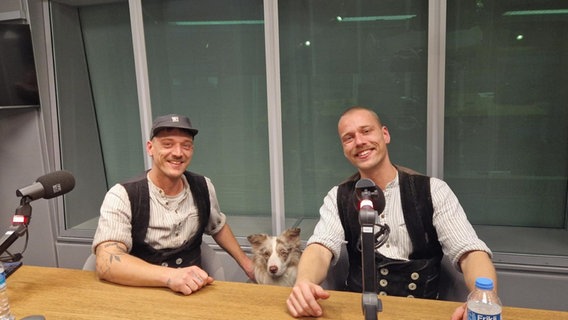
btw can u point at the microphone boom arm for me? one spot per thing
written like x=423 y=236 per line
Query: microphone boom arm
x=13 y=233
x=19 y=228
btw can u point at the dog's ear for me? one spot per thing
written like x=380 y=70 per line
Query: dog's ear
x=257 y=239
x=292 y=234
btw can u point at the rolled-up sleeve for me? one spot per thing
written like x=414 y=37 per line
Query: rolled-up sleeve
x=455 y=232
x=217 y=219
x=329 y=231
x=115 y=218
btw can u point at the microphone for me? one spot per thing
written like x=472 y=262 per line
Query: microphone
x=369 y=195
x=49 y=186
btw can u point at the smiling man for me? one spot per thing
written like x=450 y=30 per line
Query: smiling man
x=424 y=216
x=150 y=228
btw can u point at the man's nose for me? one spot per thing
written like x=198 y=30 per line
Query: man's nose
x=177 y=149
x=358 y=139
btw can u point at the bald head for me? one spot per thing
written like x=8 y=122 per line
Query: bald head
x=359 y=108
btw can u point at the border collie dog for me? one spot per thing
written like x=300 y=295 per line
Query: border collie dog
x=276 y=258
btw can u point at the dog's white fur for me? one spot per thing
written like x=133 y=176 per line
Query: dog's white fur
x=276 y=258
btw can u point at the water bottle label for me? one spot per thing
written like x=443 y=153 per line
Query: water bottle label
x=471 y=315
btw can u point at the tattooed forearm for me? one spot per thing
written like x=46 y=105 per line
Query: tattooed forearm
x=114 y=251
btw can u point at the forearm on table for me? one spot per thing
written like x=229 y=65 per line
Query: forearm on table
x=116 y=265
x=314 y=264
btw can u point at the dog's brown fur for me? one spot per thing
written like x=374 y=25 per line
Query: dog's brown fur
x=276 y=258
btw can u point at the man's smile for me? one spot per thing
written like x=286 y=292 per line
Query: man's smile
x=363 y=154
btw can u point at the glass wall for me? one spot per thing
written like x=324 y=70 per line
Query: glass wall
x=506 y=115
x=336 y=54
x=97 y=104
x=209 y=64
x=505 y=131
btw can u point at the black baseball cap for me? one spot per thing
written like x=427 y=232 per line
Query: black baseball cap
x=172 y=121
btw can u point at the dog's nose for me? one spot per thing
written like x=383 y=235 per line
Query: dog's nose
x=273 y=269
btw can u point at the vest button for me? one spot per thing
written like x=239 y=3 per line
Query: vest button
x=410 y=296
x=414 y=276
x=164 y=264
x=382 y=293
x=383 y=283
x=412 y=286
x=384 y=271
x=179 y=261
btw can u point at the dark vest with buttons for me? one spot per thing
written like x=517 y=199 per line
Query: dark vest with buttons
x=418 y=277
x=186 y=255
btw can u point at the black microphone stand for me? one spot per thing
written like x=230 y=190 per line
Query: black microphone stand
x=372 y=305
x=19 y=226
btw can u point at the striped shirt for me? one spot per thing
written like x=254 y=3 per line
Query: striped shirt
x=173 y=219
x=455 y=233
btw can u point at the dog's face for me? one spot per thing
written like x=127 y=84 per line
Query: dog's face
x=274 y=256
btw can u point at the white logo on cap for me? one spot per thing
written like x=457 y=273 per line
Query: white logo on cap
x=175 y=119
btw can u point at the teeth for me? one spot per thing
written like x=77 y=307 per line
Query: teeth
x=364 y=153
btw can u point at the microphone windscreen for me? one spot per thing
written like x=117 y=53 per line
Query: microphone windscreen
x=376 y=195
x=57 y=183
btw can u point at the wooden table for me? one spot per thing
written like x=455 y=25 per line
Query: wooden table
x=60 y=294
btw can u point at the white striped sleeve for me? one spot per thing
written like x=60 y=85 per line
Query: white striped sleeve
x=455 y=232
x=114 y=221
x=329 y=231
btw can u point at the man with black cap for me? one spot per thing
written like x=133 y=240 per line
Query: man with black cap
x=150 y=228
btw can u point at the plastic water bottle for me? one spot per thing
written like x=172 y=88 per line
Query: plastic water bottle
x=5 y=313
x=483 y=303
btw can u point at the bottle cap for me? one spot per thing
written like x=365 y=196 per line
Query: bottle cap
x=484 y=283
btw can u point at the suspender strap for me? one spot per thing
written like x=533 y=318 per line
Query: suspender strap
x=418 y=212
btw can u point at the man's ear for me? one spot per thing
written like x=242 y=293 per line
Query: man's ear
x=386 y=134
x=149 y=147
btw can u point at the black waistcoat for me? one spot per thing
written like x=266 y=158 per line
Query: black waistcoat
x=418 y=277
x=186 y=255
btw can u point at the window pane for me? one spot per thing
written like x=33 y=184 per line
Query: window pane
x=206 y=60
x=335 y=54
x=97 y=103
x=506 y=117
x=110 y=60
